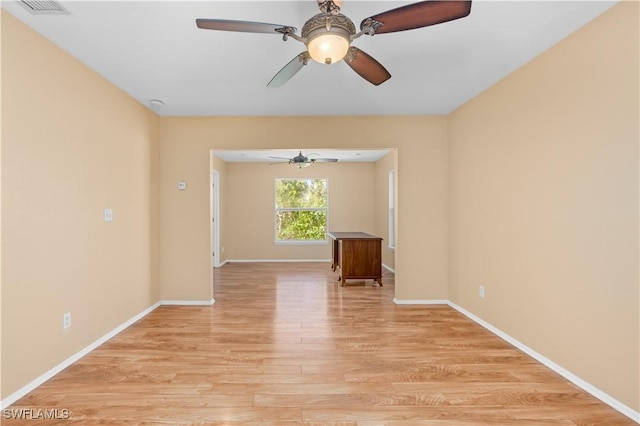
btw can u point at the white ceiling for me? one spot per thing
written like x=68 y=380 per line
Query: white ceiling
x=264 y=156
x=153 y=50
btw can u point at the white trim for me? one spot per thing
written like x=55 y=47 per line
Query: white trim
x=187 y=302
x=73 y=358
x=275 y=260
x=221 y=265
x=215 y=220
x=419 y=302
x=388 y=268
x=301 y=242
x=602 y=396
x=392 y=210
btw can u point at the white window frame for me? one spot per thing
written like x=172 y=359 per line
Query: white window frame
x=392 y=210
x=278 y=242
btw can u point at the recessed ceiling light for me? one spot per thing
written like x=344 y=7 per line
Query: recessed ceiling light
x=156 y=103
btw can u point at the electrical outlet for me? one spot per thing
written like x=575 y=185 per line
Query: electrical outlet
x=66 y=321
x=222 y=249
x=481 y=292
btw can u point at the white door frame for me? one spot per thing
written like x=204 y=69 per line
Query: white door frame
x=215 y=219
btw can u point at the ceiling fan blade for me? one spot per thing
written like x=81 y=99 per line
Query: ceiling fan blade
x=417 y=15
x=289 y=70
x=280 y=158
x=368 y=68
x=324 y=160
x=242 y=26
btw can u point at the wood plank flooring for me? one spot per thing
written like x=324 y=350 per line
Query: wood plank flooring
x=286 y=345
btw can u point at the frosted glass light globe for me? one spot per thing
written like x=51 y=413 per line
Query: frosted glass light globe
x=328 y=48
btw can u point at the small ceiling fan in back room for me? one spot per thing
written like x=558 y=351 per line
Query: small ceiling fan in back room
x=302 y=161
x=329 y=34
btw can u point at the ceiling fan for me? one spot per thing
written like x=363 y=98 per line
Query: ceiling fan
x=328 y=35
x=302 y=161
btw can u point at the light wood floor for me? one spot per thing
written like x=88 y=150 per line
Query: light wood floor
x=284 y=344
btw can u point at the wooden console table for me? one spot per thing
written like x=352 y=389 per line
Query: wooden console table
x=356 y=255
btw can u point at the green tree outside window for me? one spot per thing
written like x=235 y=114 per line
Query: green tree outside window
x=301 y=209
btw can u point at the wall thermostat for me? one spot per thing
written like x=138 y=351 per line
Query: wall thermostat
x=182 y=186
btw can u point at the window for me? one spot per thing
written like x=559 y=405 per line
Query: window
x=301 y=210
x=392 y=213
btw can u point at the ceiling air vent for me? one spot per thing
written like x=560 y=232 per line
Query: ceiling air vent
x=44 y=7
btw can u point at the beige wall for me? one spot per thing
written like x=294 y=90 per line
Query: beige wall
x=72 y=144
x=1 y=19
x=382 y=169
x=544 y=204
x=250 y=223
x=421 y=265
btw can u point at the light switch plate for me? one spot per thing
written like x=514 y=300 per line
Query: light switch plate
x=108 y=215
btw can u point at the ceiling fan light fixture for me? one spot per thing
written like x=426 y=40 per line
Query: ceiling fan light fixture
x=328 y=48
x=328 y=37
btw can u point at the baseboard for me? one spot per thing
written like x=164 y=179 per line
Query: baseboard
x=187 y=302
x=388 y=268
x=602 y=396
x=73 y=358
x=275 y=260
x=419 y=302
